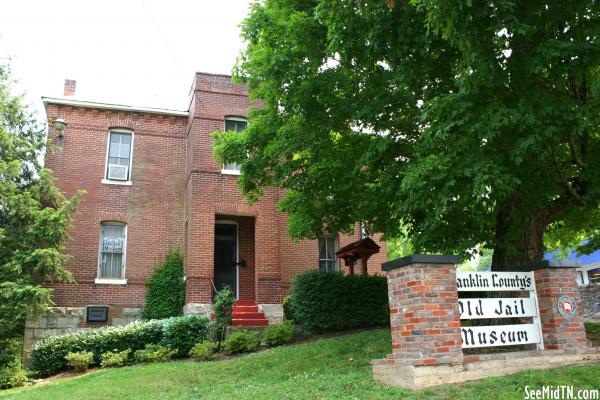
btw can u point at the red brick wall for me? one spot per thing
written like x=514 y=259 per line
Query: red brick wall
x=152 y=206
x=176 y=184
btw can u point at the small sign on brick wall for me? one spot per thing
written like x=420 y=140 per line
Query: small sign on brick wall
x=96 y=314
x=496 y=308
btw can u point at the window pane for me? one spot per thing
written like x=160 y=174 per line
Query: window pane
x=322 y=248
x=331 y=248
x=232 y=125
x=231 y=167
x=126 y=139
x=124 y=150
x=114 y=149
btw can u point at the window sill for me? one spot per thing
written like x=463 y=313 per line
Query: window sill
x=230 y=172
x=107 y=281
x=111 y=182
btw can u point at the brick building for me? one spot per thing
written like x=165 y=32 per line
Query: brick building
x=152 y=186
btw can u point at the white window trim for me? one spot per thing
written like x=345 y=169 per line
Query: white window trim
x=225 y=171
x=112 y=281
x=237 y=253
x=107 y=181
x=107 y=281
x=336 y=245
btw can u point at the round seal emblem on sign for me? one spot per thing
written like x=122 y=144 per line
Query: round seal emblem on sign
x=567 y=306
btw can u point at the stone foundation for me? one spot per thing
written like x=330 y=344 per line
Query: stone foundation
x=477 y=367
x=273 y=312
x=63 y=320
x=198 y=309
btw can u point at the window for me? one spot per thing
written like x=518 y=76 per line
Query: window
x=113 y=245
x=118 y=158
x=327 y=249
x=237 y=125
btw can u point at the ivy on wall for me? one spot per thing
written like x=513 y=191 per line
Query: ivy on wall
x=165 y=290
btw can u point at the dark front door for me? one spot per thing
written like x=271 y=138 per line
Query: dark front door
x=226 y=256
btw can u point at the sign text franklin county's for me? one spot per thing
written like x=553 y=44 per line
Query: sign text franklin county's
x=499 y=307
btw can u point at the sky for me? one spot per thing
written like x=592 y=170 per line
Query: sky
x=135 y=52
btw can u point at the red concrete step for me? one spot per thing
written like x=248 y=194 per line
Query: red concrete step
x=237 y=309
x=248 y=315
x=250 y=322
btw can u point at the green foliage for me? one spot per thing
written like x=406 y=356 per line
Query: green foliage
x=12 y=375
x=288 y=311
x=153 y=353
x=34 y=217
x=465 y=124
x=223 y=308
x=278 y=334
x=329 y=368
x=205 y=350
x=242 y=341
x=80 y=360
x=48 y=355
x=331 y=301
x=165 y=290
x=112 y=359
x=181 y=333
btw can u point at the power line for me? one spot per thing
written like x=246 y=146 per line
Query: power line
x=167 y=45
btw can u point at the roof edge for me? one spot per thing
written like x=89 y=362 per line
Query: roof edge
x=109 y=106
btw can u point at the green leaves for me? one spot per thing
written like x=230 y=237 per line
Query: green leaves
x=34 y=217
x=429 y=116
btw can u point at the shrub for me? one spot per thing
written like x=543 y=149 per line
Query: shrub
x=114 y=358
x=12 y=375
x=223 y=307
x=153 y=353
x=242 y=342
x=288 y=311
x=205 y=350
x=80 y=360
x=276 y=335
x=165 y=290
x=180 y=334
x=331 y=301
x=48 y=355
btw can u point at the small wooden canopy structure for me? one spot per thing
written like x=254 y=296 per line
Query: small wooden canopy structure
x=360 y=250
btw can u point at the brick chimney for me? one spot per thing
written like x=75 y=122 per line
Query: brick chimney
x=70 y=87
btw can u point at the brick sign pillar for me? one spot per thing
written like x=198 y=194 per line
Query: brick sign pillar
x=424 y=317
x=560 y=306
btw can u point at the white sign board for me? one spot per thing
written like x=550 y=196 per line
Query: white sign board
x=494 y=281
x=499 y=307
x=499 y=335
x=506 y=307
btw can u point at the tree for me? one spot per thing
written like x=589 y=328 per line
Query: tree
x=34 y=218
x=469 y=122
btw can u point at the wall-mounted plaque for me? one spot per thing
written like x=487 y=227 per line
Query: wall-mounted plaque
x=96 y=314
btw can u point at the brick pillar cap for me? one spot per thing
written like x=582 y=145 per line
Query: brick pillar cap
x=419 y=259
x=549 y=264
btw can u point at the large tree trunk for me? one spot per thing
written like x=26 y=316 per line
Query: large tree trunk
x=519 y=239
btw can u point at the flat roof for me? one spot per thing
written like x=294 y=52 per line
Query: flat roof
x=109 y=106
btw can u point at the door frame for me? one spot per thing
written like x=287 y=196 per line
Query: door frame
x=237 y=252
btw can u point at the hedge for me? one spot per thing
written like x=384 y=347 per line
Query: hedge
x=48 y=355
x=325 y=301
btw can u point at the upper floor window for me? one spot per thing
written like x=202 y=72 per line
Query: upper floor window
x=118 y=158
x=113 y=246
x=327 y=247
x=237 y=125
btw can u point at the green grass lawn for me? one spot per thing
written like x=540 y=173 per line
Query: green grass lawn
x=332 y=368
